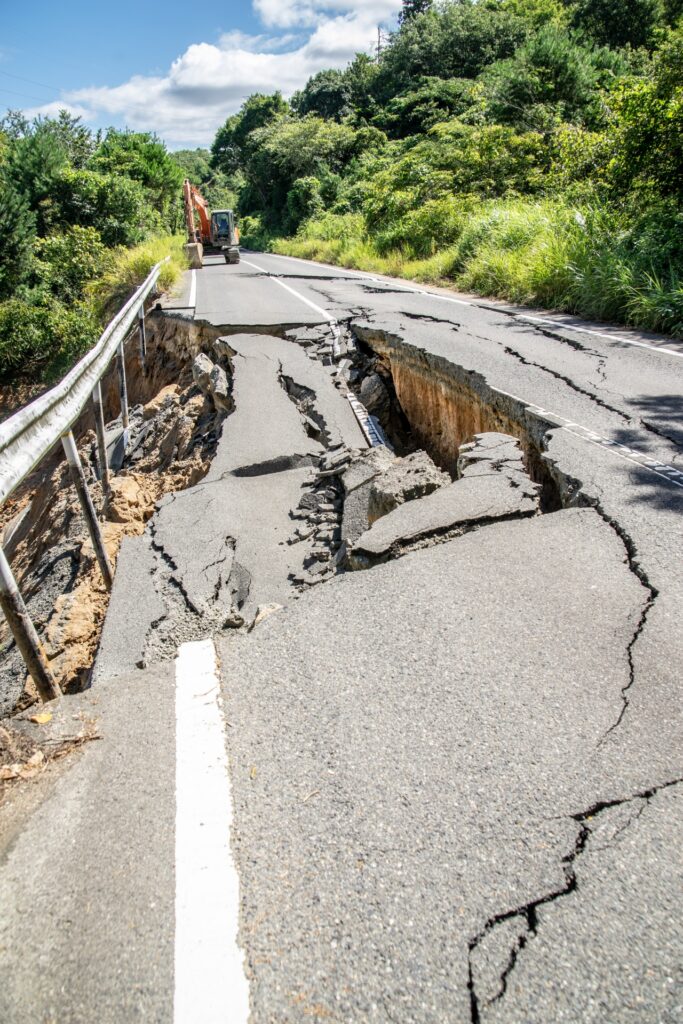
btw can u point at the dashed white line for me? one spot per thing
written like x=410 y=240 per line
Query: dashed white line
x=210 y=984
x=668 y=473
x=622 y=451
x=192 y=302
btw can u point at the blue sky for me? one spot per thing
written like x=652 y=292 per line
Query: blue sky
x=173 y=68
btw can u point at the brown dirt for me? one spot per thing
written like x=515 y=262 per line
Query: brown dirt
x=42 y=520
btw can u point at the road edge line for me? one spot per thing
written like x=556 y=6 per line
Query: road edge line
x=210 y=984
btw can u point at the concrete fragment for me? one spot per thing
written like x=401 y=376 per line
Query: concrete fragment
x=404 y=480
x=262 y=612
x=455 y=508
x=365 y=465
x=487 y=451
x=218 y=389
x=374 y=395
x=201 y=371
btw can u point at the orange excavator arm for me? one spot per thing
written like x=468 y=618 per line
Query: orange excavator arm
x=194 y=200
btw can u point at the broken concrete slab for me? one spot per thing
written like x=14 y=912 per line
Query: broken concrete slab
x=446 y=754
x=488 y=451
x=366 y=465
x=265 y=425
x=224 y=544
x=456 y=508
x=405 y=479
x=134 y=606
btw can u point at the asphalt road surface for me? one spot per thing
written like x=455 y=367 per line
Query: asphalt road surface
x=444 y=788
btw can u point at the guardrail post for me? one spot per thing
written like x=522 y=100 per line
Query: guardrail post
x=78 y=477
x=24 y=633
x=124 y=393
x=143 y=338
x=101 y=440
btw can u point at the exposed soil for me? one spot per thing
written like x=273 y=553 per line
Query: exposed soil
x=173 y=434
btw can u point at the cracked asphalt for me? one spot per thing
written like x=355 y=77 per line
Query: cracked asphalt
x=456 y=775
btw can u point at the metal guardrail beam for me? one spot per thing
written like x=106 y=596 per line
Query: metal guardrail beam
x=28 y=435
x=31 y=433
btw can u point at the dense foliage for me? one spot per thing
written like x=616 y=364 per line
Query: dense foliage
x=70 y=200
x=531 y=149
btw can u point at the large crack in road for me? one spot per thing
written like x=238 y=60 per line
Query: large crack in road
x=444 y=664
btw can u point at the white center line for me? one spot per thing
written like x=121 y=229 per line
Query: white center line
x=318 y=309
x=210 y=984
x=193 y=289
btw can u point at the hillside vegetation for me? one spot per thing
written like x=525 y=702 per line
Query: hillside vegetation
x=83 y=218
x=528 y=149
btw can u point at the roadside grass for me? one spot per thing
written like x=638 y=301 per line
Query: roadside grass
x=130 y=267
x=595 y=262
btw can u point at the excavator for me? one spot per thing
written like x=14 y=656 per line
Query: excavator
x=217 y=232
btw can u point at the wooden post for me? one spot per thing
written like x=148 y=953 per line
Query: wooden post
x=124 y=394
x=143 y=338
x=101 y=441
x=24 y=633
x=78 y=477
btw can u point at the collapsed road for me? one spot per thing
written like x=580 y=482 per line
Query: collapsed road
x=404 y=623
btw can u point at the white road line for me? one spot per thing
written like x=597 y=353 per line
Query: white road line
x=622 y=451
x=638 y=458
x=616 y=339
x=193 y=289
x=318 y=309
x=210 y=984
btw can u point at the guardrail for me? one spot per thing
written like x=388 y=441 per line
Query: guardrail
x=28 y=436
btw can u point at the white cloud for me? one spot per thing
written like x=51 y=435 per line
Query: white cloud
x=53 y=108
x=210 y=81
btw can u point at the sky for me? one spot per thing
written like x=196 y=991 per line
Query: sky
x=177 y=69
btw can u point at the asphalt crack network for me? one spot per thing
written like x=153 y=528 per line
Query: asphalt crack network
x=636 y=568
x=528 y=913
x=569 y=382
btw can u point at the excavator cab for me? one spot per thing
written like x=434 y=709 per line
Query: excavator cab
x=224 y=235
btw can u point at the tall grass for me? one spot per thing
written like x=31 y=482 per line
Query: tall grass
x=595 y=262
x=130 y=267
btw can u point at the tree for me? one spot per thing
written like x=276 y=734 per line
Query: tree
x=15 y=125
x=71 y=135
x=141 y=157
x=411 y=8
x=287 y=149
x=327 y=94
x=67 y=262
x=231 y=142
x=456 y=40
x=618 y=23
x=115 y=205
x=434 y=100
x=17 y=236
x=33 y=166
x=360 y=76
x=647 y=138
x=551 y=78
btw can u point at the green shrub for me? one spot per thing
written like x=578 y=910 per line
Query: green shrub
x=42 y=341
x=116 y=206
x=66 y=262
x=304 y=200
